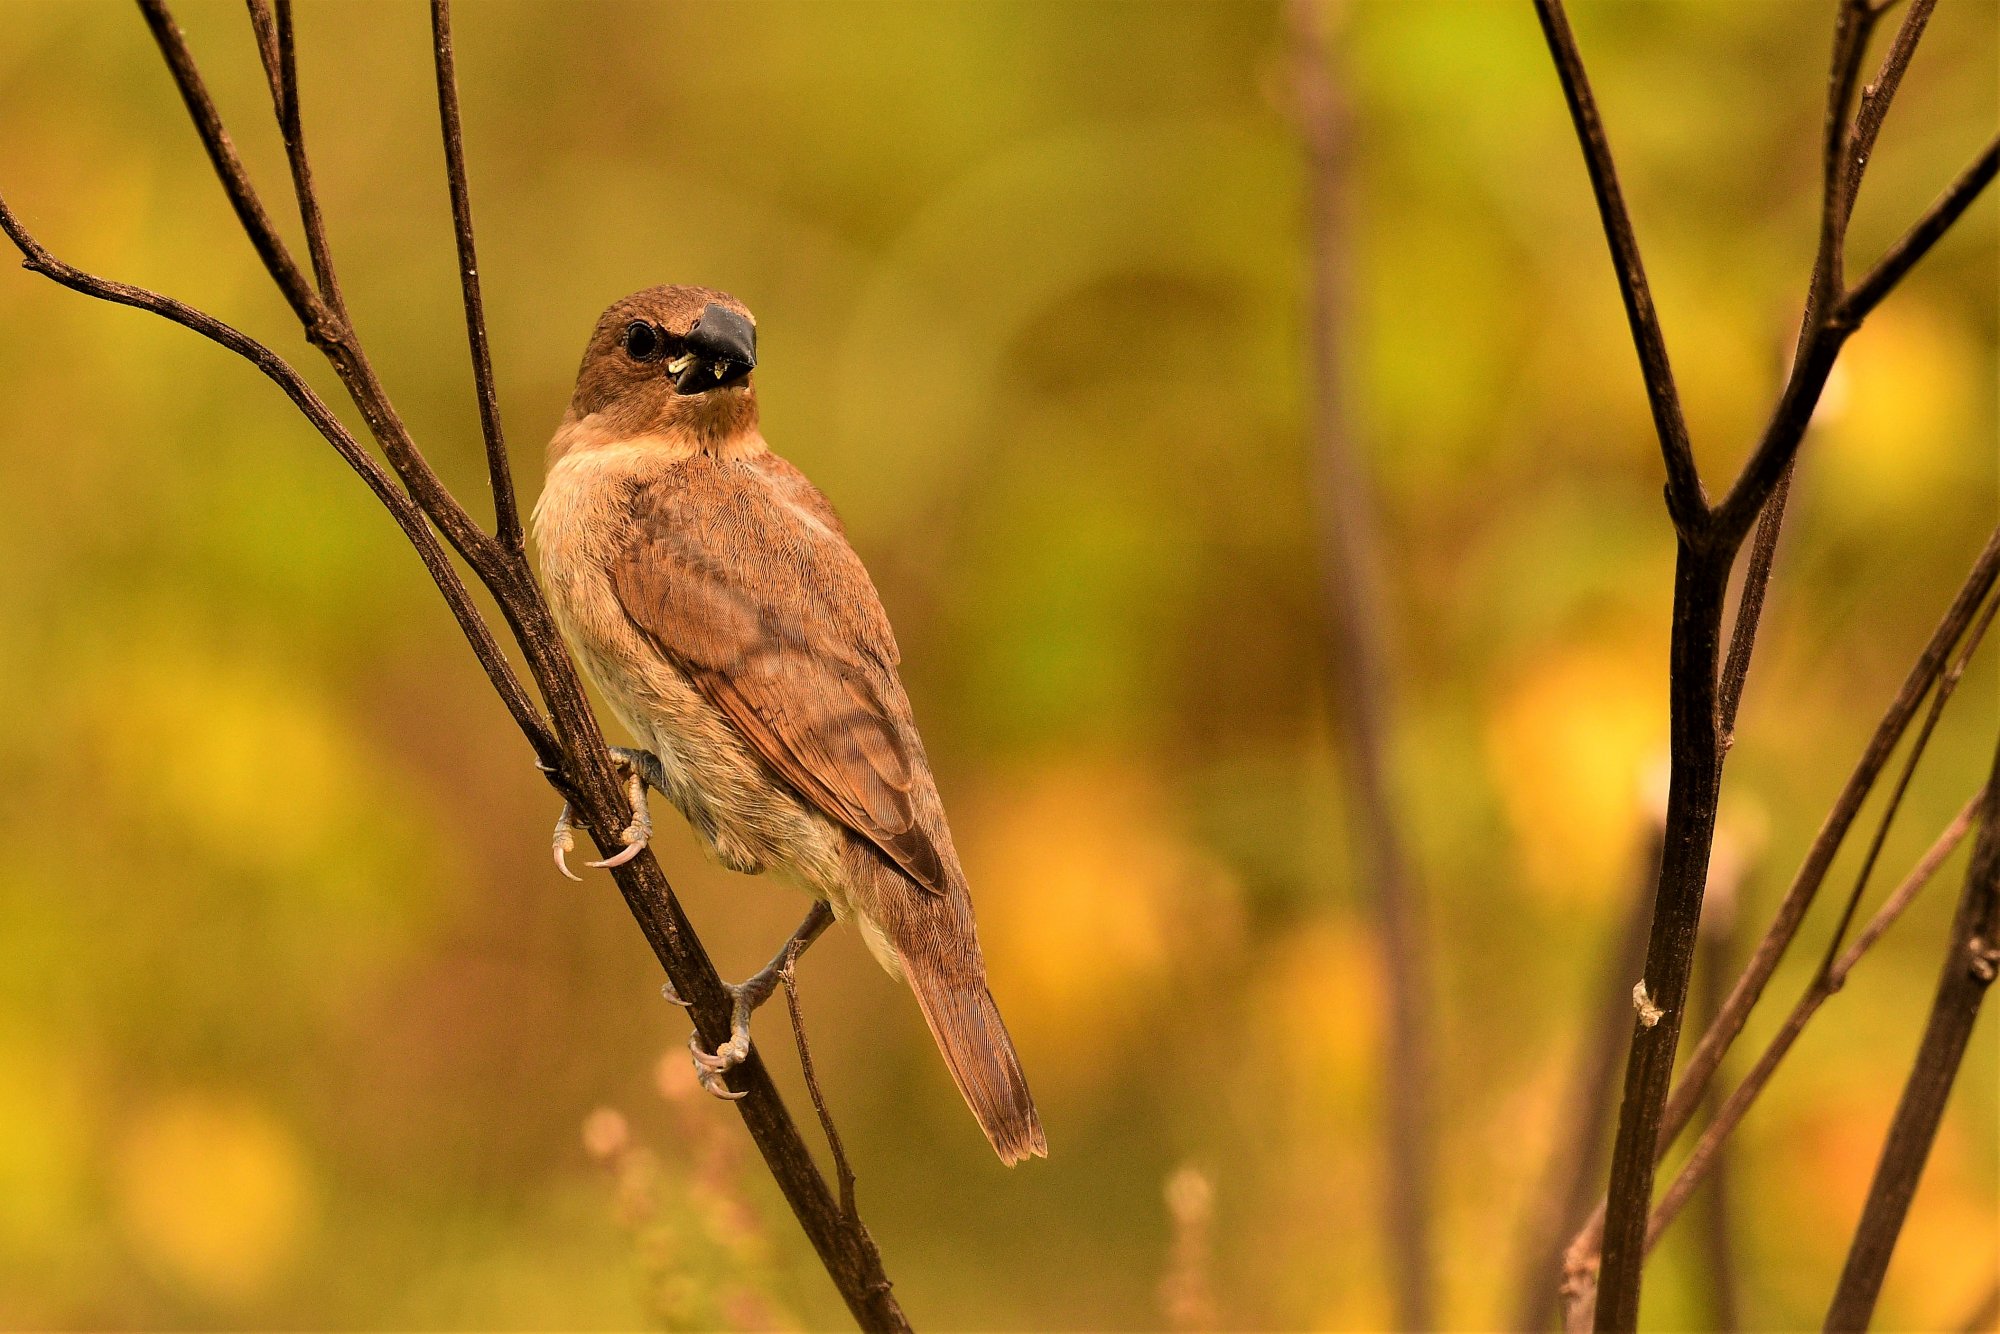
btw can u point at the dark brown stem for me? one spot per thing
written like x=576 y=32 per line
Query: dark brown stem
x=1699 y=583
x=569 y=746
x=507 y=514
x=1875 y=98
x=1931 y=664
x=1359 y=678
x=1972 y=956
x=1574 y=1176
x=274 y=47
x=1686 y=502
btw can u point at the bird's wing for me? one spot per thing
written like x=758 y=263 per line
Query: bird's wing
x=740 y=574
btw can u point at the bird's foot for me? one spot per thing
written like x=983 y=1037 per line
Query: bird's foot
x=710 y=1067
x=641 y=769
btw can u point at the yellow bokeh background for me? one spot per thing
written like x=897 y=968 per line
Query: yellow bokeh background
x=300 y=1029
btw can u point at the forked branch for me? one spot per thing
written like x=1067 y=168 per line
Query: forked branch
x=567 y=743
x=1709 y=541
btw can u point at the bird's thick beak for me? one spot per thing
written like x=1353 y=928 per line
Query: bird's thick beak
x=721 y=350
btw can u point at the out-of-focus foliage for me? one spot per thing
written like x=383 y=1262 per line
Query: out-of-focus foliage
x=299 y=1028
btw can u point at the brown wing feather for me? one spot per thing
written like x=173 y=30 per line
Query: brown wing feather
x=750 y=590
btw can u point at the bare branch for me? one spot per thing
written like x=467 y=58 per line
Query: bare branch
x=1972 y=957
x=1686 y=502
x=1707 y=1153
x=843 y=1171
x=324 y=325
x=1770 y=950
x=1358 y=674
x=407 y=516
x=569 y=746
x=274 y=47
x=1581 y=1262
x=1875 y=98
x=1922 y=235
x=507 y=514
x=1750 y=608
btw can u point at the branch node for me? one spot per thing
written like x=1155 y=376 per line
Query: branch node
x=1985 y=958
x=1649 y=1013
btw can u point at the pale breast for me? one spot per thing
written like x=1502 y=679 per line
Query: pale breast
x=748 y=818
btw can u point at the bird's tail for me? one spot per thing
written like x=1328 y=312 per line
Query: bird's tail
x=967 y=1026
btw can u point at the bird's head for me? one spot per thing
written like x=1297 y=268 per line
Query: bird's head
x=670 y=361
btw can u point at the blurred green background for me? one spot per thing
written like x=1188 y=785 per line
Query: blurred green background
x=299 y=1028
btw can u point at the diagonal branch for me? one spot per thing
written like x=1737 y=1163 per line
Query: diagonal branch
x=1686 y=503
x=569 y=746
x=274 y=48
x=1581 y=1258
x=1922 y=235
x=1881 y=90
x=1706 y=1154
x=37 y=259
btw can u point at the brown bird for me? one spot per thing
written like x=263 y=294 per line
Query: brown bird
x=708 y=589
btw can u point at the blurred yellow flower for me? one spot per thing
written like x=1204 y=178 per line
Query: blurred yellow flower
x=1571 y=745
x=1319 y=1006
x=1084 y=890
x=215 y=1195
x=45 y=1129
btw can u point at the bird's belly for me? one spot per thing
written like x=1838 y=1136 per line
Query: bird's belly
x=746 y=816
x=750 y=820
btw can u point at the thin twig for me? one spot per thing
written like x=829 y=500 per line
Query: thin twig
x=274 y=47
x=575 y=761
x=1359 y=677
x=1707 y=1152
x=1972 y=957
x=1881 y=90
x=507 y=514
x=1750 y=608
x=1915 y=243
x=843 y=1171
x=37 y=259
x=1686 y=502
x=1581 y=1257
x=324 y=325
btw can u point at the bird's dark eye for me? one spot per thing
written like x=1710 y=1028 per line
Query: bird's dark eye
x=642 y=341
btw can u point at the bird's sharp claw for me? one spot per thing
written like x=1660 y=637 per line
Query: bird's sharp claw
x=709 y=1070
x=631 y=850
x=563 y=866
x=673 y=997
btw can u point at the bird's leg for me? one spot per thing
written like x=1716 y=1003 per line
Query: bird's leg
x=710 y=1067
x=642 y=770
